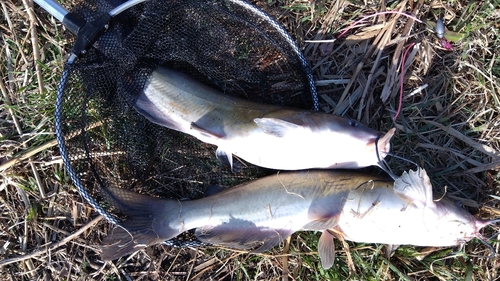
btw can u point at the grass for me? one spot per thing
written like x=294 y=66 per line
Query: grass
x=451 y=128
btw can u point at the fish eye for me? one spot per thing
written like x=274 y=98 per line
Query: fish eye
x=352 y=123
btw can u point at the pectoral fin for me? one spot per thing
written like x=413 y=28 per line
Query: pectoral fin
x=326 y=249
x=228 y=159
x=204 y=132
x=390 y=249
x=384 y=143
x=416 y=186
x=276 y=127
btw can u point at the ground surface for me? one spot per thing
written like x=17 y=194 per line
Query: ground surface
x=450 y=127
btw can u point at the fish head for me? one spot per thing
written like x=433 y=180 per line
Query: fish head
x=453 y=225
x=330 y=135
x=370 y=147
x=382 y=145
x=377 y=145
x=439 y=222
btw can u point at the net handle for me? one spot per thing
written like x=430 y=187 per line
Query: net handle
x=87 y=32
x=71 y=21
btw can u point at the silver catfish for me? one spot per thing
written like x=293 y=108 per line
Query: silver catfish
x=259 y=214
x=265 y=135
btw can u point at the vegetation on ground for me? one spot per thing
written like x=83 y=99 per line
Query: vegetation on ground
x=449 y=123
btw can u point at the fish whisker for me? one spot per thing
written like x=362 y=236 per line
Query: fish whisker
x=385 y=167
x=490 y=222
x=402 y=158
x=489 y=247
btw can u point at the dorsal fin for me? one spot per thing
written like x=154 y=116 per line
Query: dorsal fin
x=275 y=126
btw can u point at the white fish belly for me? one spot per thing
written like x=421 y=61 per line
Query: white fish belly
x=300 y=149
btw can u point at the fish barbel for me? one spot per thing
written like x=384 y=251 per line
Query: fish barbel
x=265 y=135
x=260 y=214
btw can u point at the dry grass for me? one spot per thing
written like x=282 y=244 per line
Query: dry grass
x=451 y=128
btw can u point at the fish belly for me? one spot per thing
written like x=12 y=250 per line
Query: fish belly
x=380 y=216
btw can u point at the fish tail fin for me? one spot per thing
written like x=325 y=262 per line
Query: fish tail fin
x=150 y=221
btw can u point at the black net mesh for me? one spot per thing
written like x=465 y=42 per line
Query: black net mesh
x=222 y=43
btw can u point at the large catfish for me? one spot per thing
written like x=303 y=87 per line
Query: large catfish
x=259 y=214
x=265 y=135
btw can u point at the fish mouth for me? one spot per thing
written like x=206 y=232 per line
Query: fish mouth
x=383 y=142
x=381 y=145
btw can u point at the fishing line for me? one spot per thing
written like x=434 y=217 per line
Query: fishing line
x=401 y=82
x=70 y=148
x=386 y=167
x=382 y=163
x=402 y=158
x=403 y=59
x=388 y=170
x=490 y=223
x=494 y=254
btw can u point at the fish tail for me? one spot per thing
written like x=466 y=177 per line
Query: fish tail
x=147 y=223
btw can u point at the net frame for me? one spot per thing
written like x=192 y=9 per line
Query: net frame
x=72 y=67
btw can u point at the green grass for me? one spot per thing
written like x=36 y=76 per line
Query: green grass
x=464 y=85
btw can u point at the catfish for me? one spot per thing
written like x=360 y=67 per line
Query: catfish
x=259 y=214
x=268 y=136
